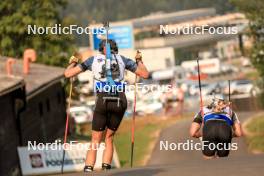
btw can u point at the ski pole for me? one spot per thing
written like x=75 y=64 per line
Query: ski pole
x=134 y=119
x=133 y=124
x=67 y=124
x=229 y=92
x=200 y=88
x=229 y=96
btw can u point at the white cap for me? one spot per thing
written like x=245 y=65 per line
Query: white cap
x=218 y=97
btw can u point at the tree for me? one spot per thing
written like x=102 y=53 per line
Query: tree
x=254 y=10
x=16 y=15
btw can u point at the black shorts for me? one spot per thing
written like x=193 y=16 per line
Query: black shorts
x=217 y=132
x=108 y=113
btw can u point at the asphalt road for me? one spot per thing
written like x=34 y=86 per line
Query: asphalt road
x=179 y=133
x=183 y=163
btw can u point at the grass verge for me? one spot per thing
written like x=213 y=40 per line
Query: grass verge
x=146 y=134
x=255 y=134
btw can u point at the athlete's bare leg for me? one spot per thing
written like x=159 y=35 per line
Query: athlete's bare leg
x=108 y=152
x=91 y=154
x=195 y=130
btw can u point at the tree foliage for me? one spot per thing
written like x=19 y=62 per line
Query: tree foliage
x=254 y=11
x=16 y=15
x=113 y=10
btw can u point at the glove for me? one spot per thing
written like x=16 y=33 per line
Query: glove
x=74 y=60
x=138 y=57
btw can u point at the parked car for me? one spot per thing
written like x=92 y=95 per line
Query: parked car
x=242 y=87
x=207 y=89
x=81 y=114
x=194 y=89
x=227 y=69
x=150 y=106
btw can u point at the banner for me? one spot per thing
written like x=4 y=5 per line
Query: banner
x=123 y=35
x=48 y=160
